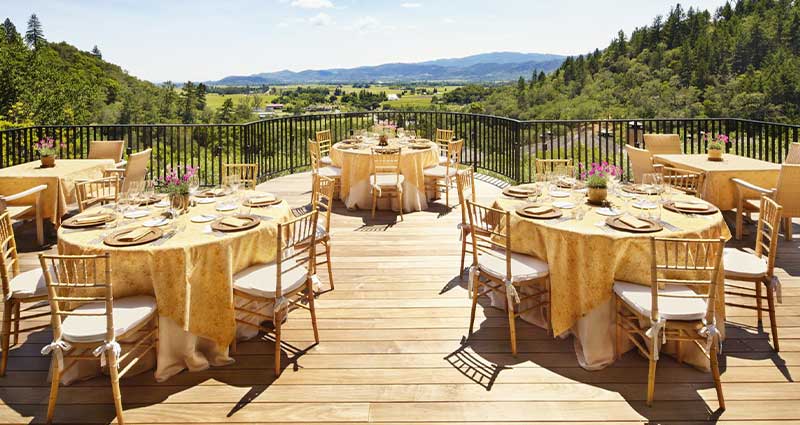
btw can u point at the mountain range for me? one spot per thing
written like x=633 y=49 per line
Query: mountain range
x=486 y=67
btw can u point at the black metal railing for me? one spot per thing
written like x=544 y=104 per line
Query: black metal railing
x=502 y=146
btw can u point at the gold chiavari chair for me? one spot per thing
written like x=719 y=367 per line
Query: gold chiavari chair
x=325 y=142
x=286 y=282
x=322 y=202
x=442 y=140
x=543 y=166
x=107 y=149
x=465 y=182
x=98 y=191
x=247 y=174
x=88 y=322
x=495 y=268
x=317 y=167
x=385 y=177
x=443 y=176
x=18 y=289
x=679 y=304
x=687 y=181
x=786 y=193
x=663 y=144
x=758 y=267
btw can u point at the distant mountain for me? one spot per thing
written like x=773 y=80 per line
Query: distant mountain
x=487 y=67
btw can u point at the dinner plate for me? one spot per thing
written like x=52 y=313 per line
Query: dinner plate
x=609 y=212
x=559 y=194
x=226 y=207
x=161 y=204
x=205 y=200
x=203 y=218
x=645 y=205
x=564 y=205
x=156 y=222
x=136 y=214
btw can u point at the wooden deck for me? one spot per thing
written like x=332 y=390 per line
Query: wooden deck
x=391 y=352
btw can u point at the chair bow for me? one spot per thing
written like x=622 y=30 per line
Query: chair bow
x=511 y=290
x=112 y=346
x=775 y=283
x=315 y=282
x=57 y=347
x=281 y=303
x=709 y=332
x=473 y=274
x=658 y=332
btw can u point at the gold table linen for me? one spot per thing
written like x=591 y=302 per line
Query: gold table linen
x=718 y=187
x=355 y=165
x=60 y=181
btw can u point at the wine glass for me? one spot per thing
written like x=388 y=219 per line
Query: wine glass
x=194 y=185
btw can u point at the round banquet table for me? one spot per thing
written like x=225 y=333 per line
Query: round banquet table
x=355 y=165
x=585 y=260
x=190 y=275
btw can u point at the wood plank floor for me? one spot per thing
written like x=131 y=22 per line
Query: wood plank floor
x=391 y=352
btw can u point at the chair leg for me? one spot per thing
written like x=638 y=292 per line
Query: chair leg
x=512 y=325
x=17 y=307
x=113 y=370
x=619 y=330
x=56 y=380
x=463 y=251
x=475 y=290
x=313 y=310
x=8 y=306
x=277 y=318
x=374 y=202
x=330 y=266
x=739 y=219
x=651 y=374
x=400 y=204
x=759 y=304
x=787 y=228
x=772 y=321
x=715 y=374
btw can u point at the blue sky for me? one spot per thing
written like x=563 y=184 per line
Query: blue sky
x=205 y=39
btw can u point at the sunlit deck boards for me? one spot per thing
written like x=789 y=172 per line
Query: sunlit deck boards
x=390 y=352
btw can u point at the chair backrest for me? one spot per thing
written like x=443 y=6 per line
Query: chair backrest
x=663 y=144
x=454 y=148
x=91 y=192
x=247 y=174
x=297 y=239
x=136 y=170
x=107 y=149
x=793 y=156
x=322 y=198
x=491 y=233
x=465 y=182
x=78 y=279
x=641 y=162
x=788 y=190
x=693 y=263
x=314 y=155
x=769 y=220
x=687 y=181
x=442 y=139
x=325 y=141
x=543 y=166
x=9 y=261
x=385 y=161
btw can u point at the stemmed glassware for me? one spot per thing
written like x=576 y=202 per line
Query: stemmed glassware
x=194 y=186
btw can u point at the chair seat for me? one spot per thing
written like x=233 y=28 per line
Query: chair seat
x=321 y=233
x=743 y=264
x=129 y=313
x=326 y=160
x=17 y=211
x=260 y=280
x=443 y=160
x=639 y=297
x=523 y=267
x=386 y=180
x=752 y=204
x=330 y=171
x=439 y=171
x=29 y=284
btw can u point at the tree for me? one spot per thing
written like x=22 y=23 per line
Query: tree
x=188 y=103
x=200 y=95
x=225 y=113
x=96 y=52
x=521 y=86
x=34 y=36
x=10 y=33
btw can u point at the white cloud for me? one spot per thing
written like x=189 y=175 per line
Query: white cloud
x=320 y=20
x=448 y=21
x=312 y=4
x=366 y=24
x=411 y=5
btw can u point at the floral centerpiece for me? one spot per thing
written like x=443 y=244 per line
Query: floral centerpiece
x=716 y=145
x=596 y=177
x=176 y=185
x=47 y=149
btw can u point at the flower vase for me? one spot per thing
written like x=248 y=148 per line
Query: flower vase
x=179 y=202
x=715 y=154
x=48 y=161
x=383 y=140
x=597 y=195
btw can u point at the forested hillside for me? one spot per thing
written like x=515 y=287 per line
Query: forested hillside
x=742 y=60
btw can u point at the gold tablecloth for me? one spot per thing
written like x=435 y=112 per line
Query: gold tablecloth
x=585 y=260
x=355 y=165
x=60 y=181
x=190 y=274
x=718 y=188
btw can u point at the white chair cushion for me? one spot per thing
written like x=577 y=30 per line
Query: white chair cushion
x=439 y=171
x=29 y=284
x=326 y=160
x=523 y=267
x=321 y=232
x=129 y=312
x=670 y=308
x=260 y=280
x=330 y=171
x=743 y=264
x=383 y=180
x=443 y=159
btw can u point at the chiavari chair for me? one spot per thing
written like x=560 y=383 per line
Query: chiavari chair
x=322 y=202
x=246 y=173
x=465 y=183
x=443 y=176
x=442 y=139
x=686 y=181
x=97 y=191
x=325 y=143
x=385 y=178
x=663 y=144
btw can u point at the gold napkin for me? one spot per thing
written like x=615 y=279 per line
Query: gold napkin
x=234 y=222
x=262 y=199
x=94 y=218
x=695 y=206
x=544 y=209
x=521 y=190
x=634 y=222
x=134 y=235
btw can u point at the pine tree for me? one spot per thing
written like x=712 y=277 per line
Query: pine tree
x=200 y=96
x=225 y=114
x=10 y=33
x=96 y=52
x=189 y=102
x=34 y=36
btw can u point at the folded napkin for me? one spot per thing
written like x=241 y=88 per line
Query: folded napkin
x=519 y=189
x=134 y=235
x=94 y=218
x=544 y=209
x=263 y=199
x=234 y=222
x=695 y=206
x=634 y=222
